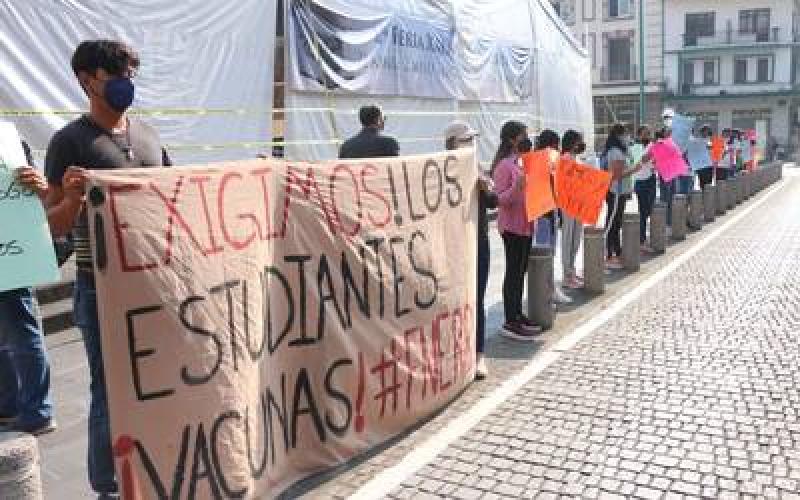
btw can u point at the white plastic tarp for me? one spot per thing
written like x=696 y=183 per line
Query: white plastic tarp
x=497 y=72
x=205 y=81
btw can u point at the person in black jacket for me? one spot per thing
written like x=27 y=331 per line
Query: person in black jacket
x=460 y=135
x=370 y=142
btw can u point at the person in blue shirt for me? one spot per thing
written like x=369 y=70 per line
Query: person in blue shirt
x=25 y=404
x=698 y=152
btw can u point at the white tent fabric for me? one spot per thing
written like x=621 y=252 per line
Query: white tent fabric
x=205 y=82
x=511 y=60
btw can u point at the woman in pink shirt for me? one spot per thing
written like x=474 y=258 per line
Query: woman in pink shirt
x=512 y=221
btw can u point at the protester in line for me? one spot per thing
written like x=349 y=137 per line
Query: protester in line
x=728 y=163
x=512 y=222
x=739 y=145
x=461 y=135
x=572 y=146
x=646 y=183
x=546 y=227
x=618 y=158
x=105 y=138
x=370 y=141
x=747 y=148
x=699 y=155
x=666 y=190
x=25 y=402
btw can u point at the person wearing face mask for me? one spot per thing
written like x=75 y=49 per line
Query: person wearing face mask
x=370 y=141
x=646 y=184
x=458 y=135
x=105 y=138
x=619 y=165
x=512 y=222
x=572 y=146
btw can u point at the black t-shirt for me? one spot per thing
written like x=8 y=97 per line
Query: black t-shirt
x=82 y=143
x=369 y=143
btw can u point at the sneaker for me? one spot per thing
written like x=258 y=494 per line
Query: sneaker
x=45 y=427
x=573 y=283
x=647 y=249
x=614 y=263
x=516 y=331
x=559 y=297
x=529 y=325
x=481 y=370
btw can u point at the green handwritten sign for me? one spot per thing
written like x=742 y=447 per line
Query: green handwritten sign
x=27 y=257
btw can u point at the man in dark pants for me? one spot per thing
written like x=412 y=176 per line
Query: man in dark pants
x=370 y=142
x=106 y=138
x=25 y=404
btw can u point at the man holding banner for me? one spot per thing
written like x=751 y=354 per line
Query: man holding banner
x=106 y=138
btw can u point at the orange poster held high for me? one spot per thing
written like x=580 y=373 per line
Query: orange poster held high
x=539 y=197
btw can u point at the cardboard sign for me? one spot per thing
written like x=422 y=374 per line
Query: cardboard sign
x=581 y=190
x=539 y=197
x=264 y=320
x=668 y=160
x=682 y=130
x=717 y=148
x=27 y=257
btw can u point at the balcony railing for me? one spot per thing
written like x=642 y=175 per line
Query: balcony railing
x=733 y=38
x=727 y=89
x=615 y=74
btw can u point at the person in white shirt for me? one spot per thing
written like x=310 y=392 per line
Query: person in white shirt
x=646 y=183
x=698 y=152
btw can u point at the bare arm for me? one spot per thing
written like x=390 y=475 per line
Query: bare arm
x=64 y=203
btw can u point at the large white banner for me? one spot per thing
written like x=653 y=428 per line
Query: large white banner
x=382 y=50
x=205 y=81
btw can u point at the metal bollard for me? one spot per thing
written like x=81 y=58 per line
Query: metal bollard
x=540 y=287
x=746 y=183
x=631 y=243
x=722 y=205
x=594 y=252
x=658 y=228
x=19 y=467
x=679 y=217
x=696 y=212
x=709 y=203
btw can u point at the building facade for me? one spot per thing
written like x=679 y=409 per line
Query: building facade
x=735 y=64
x=609 y=29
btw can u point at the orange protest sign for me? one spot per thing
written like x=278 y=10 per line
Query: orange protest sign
x=717 y=148
x=581 y=190
x=539 y=198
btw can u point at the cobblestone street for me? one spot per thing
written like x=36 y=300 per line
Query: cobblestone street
x=690 y=391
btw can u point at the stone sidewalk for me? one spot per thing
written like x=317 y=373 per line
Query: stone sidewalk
x=691 y=391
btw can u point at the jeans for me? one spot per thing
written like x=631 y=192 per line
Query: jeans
x=24 y=367
x=705 y=176
x=646 y=196
x=517 y=249
x=100 y=460
x=571 y=233
x=616 y=209
x=666 y=192
x=483 y=280
x=685 y=183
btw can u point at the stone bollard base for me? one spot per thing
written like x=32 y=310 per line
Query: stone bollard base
x=594 y=263
x=658 y=228
x=540 y=287
x=19 y=467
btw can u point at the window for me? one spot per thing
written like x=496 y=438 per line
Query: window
x=688 y=73
x=588 y=10
x=619 y=8
x=763 y=70
x=701 y=24
x=709 y=73
x=740 y=71
x=619 y=59
x=755 y=21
